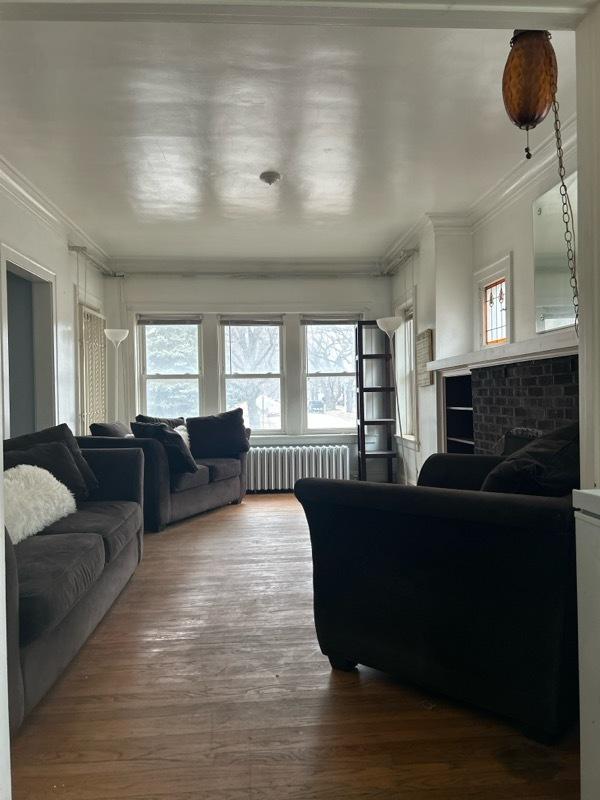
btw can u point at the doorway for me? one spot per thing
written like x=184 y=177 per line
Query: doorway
x=29 y=401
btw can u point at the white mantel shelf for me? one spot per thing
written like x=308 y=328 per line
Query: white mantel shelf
x=544 y=345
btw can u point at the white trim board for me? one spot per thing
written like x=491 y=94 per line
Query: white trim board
x=387 y=13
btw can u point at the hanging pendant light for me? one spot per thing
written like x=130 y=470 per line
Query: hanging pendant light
x=530 y=80
x=529 y=89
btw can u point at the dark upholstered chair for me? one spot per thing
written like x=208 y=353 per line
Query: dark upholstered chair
x=468 y=593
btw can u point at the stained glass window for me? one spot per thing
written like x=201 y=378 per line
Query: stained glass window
x=494 y=312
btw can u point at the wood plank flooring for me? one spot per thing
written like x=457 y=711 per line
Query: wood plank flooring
x=205 y=682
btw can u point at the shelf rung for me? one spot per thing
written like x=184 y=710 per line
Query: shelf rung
x=376 y=389
x=379 y=422
x=379 y=454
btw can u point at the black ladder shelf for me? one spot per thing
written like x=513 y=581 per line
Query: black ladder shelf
x=375 y=400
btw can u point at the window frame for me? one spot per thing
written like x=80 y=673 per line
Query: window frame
x=144 y=377
x=305 y=375
x=483 y=279
x=408 y=307
x=278 y=322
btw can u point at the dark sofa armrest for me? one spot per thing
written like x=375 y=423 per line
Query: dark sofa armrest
x=454 y=471
x=120 y=474
x=16 y=701
x=157 y=478
x=412 y=506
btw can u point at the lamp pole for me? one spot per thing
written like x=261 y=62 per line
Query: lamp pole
x=116 y=336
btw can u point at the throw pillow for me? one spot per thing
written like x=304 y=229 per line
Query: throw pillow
x=55 y=458
x=59 y=433
x=178 y=453
x=183 y=432
x=110 y=429
x=33 y=499
x=547 y=466
x=218 y=436
x=171 y=422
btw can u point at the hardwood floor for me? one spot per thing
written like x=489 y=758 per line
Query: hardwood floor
x=205 y=682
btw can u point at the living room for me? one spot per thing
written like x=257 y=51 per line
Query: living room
x=207 y=208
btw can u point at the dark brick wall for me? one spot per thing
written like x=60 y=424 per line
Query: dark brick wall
x=540 y=394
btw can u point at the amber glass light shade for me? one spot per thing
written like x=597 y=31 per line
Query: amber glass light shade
x=530 y=78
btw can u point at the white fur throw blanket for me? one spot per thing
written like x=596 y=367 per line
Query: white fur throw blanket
x=33 y=499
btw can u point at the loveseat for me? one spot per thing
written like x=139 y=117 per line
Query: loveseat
x=170 y=496
x=469 y=593
x=61 y=582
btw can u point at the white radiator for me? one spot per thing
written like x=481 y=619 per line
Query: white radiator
x=272 y=469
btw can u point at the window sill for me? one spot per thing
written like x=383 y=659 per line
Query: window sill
x=408 y=439
x=274 y=439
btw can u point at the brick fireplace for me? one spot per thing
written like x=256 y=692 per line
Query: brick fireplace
x=541 y=394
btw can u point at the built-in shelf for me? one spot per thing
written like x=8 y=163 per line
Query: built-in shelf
x=458 y=401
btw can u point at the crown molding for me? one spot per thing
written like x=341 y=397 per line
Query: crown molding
x=451 y=223
x=15 y=186
x=382 y=13
x=153 y=266
x=517 y=182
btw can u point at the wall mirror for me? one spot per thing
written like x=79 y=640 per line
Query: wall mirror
x=553 y=294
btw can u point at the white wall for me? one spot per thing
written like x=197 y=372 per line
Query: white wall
x=25 y=232
x=511 y=229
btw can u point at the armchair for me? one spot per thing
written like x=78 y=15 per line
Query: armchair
x=471 y=594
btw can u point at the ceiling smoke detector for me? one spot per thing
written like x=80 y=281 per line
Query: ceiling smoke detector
x=270 y=176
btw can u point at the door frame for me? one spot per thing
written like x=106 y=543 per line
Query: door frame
x=43 y=281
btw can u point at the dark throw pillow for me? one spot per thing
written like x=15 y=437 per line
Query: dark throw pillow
x=219 y=436
x=59 y=433
x=178 y=453
x=118 y=429
x=547 y=466
x=56 y=458
x=172 y=423
x=515 y=439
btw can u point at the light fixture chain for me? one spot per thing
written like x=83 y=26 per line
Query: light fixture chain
x=567 y=212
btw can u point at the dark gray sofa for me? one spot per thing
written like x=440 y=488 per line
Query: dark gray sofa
x=61 y=582
x=469 y=593
x=170 y=497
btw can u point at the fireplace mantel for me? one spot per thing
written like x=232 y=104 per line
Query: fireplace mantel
x=545 y=345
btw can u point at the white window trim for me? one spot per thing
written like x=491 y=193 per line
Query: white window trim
x=305 y=374
x=410 y=301
x=143 y=377
x=502 y=268
x=281 y=375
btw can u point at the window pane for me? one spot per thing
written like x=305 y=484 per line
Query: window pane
x=260 y=398
x=495 y=312
x=330 y=348
x=252 y=349
x=172 y=398
x=331 y=402
x=171 y=349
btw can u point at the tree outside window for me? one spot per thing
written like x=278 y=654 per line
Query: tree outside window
x=330 y=376
x=171 y=376
x=252 y=372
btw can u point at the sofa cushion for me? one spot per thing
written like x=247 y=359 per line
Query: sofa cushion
x=55 y=572
x=221 y=468
x=118 y=429
x=178 y=453
x=172 y=422
x=59 y=433
x=55 y=458
x=182 y=481
x=548 y=466
x=218 y=436
x=116 y=521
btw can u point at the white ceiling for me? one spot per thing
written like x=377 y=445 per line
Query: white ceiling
x=151 y=136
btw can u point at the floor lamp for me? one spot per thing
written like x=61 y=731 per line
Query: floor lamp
x=389 y=325
x=116 y=336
